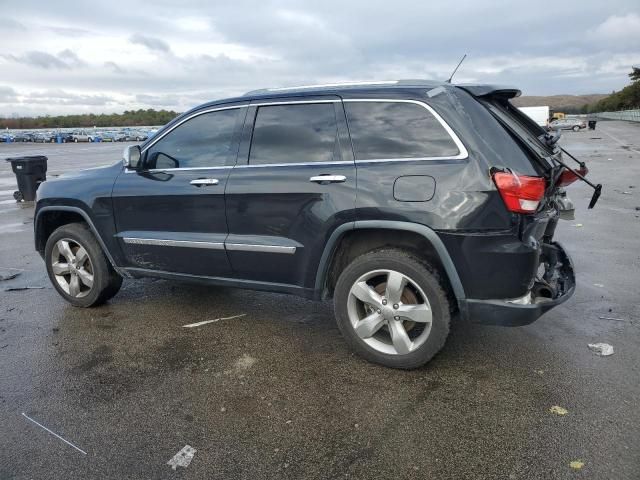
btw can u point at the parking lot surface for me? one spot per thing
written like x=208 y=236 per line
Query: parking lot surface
x=274 y=392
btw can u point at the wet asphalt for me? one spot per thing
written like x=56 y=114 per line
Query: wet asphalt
x=276 y=393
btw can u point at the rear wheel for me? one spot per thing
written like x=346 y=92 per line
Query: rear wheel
x=392 y=309
x=77 y=267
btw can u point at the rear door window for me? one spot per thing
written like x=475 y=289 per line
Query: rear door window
x=294 y=133
x=396 y=130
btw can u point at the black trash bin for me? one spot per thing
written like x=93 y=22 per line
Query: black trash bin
x=592 y=124
x=30 y=173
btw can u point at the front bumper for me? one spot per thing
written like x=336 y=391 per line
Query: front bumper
x=559 y=270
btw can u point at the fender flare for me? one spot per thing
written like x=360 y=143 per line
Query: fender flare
x=426 y=232
x=85 y=216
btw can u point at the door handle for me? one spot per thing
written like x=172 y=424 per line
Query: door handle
x=200 y=182
x=328 y=179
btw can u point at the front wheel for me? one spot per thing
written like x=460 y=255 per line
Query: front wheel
x=392 y=309
x=576 y=128
x=77 y=267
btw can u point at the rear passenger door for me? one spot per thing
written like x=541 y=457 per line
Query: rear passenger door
x=294 y=183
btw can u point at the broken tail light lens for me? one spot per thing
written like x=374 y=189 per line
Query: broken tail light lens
x=520 y=193
x=567 y=177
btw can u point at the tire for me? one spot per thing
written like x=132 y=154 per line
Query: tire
x=70 y=262
x=423 y=287
x=75 y=140
x=576 y=128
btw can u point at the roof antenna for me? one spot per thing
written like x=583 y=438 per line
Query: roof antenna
x=456 y=69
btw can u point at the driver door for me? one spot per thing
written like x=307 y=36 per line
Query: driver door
x=170 y=214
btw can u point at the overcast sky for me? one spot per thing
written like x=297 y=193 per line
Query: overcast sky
x=109 y=56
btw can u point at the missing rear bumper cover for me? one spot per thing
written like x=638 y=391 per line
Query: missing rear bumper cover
x=555 y=287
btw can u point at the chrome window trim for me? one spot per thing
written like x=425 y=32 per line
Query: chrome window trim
x=193 y=115
x=462 y=150
x=298 y=164
x=173 y=243
x=185 y=169
x=247 y=247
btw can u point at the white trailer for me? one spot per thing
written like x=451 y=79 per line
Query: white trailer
x=540 y=115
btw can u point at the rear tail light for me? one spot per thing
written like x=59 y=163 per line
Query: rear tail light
x=567 y=177
x=520 y=193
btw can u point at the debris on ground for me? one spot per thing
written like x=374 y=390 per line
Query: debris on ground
x=598 y=285
x=183 y=457
x=558 y=410
x=577 y=225
x=576 y=464
x=17 y=289
x=199 y=324
x=612 y=318
x=539 y=372
x=602 y=349
x=8 y=276
x=53 y=433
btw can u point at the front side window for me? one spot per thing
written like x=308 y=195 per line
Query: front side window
x=396 y=130
x=295 y=133
x=203 y=141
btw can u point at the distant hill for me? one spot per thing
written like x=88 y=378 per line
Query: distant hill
x=560 y=103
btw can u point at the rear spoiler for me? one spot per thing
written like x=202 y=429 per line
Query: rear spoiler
x=484 y=90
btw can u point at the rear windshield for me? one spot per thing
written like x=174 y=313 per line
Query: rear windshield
x=521 y=126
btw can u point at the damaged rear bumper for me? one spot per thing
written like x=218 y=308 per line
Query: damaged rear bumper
x=558 y=286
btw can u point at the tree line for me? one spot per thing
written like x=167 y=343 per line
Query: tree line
x=129 y=118
x=626 y=99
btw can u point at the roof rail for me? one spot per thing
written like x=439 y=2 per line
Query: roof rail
x=322 y=85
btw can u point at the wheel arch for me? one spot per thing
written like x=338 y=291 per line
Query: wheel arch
x=51 y=217
x=433 y=248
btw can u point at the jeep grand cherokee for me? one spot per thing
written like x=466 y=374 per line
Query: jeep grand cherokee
x=403 y=201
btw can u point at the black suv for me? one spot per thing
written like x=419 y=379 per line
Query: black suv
x=405 y=201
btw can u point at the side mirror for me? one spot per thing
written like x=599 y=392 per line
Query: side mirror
x=132 y=157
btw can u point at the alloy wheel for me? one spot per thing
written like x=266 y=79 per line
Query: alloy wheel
x=72 y=268
x=389 y=312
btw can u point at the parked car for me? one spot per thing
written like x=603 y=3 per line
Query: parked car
x=6 y=137
x=23 y=137
x=567 y=124
x=119 y=136
x=454 y=209
x=135 y=136
x=108 y=136
x=81 y=136
x=44 y=137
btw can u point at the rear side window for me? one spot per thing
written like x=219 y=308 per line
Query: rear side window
x=203 y=141
x=299 y=133
x=393 y=130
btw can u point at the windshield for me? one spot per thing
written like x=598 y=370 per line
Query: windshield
x=522 y=127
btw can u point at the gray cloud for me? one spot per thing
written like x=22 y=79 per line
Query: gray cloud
x=7 y=23
x=65 y=60
x=38 y=59
x=154 y=44
x=114 y=67
x=71 y=59
x=61 y=97
x=7 y=95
